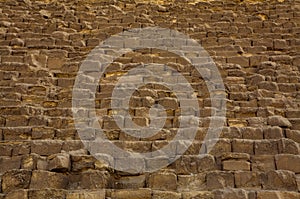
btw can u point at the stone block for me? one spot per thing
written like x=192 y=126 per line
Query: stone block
x=243 y=146
x=243 y=61
x=9 y=163
x=247 y=179
x=59 y=162
x=253 y=80
x=47 y=193
x=222 y=146
x=15 y=179
x=130 y=182
x=191 y=182
x=198 y=194
x=129 y=194
x=48 y=180
x=16 y=121
x=266 y=147
x=55 y=63
x=17 y=194
x=273 y=132
x=93 y=180
x=236 y=165
x=230 y=194
x=288 y=162
x=219 y=180
x=277 y=195
x=280 y=44
x=252 y=133
x=293 y=135
x=48 y=147
x=288 y=146
x=270 y=86
x=165 y=195
x=163 y=181
x=86 y=195
x=278 y=120
x=280 y=180
x=263 y=163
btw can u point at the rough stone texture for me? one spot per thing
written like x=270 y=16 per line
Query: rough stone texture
x=276 y=195
x=254 y=44
x=280 y=180
x=236 y=165
x=128 y=194
x=279 y=121
x=15 y=179
x=87 y=195
x=45 y=179
x=288 y=162
x=19 y=193
x=59 y=162
x=163 y=181
x=219 y=180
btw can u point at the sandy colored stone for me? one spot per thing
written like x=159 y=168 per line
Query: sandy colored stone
x=54 y=180
x=247 y=179
x=15 y=179
x=219 y=180
x=86 y=195
x=277 y=120
x=280 y=180
x=166 y=195
x=59 y=162
x=236 y=165
x=129 y=194
x=17 y=194
x=277 y=195
x=163 y=181
x=288 y=162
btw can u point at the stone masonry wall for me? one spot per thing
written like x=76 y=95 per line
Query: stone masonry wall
x=256 y=47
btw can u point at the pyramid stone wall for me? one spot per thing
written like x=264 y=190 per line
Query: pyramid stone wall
x=254 y=44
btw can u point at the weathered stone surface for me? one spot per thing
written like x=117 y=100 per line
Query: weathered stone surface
x=54 y=180
x=165 y=195
x=86 y=195
x=197 y=194
x=163 y=181
x=236 y=165
x=17 y=194
x=191 y=182
x=59 y=162
x=293 y=135
x=15 y=179
x=130 y=182
x=46 y=147
x=288 y=146
x=288 y=162
x=8 y=163
x=277 y=120
x=277 y=195
x=219 y=180
x=273 y=133
x=47 y=193
x=247 y=179
x=195 y=163
x=90 y=180
x=280 y=180
x=128 y=194
x=243 y=146
x=231 y=194
x=254 y=45
x=266 y=147
x=263 y=163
